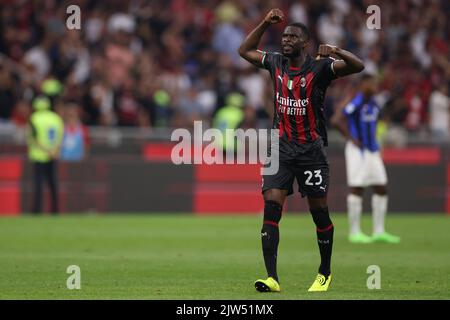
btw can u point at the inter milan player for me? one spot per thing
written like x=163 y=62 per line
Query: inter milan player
x=299 y=82
x=357 y=121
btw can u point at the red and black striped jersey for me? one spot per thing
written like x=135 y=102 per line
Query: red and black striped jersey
x=299 y=98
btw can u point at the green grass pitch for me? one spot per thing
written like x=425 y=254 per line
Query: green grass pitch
x=191 y=257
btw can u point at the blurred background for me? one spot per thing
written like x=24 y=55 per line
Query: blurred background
x=136 y=70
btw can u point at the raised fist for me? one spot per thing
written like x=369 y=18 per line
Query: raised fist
x=274 y=16
x=325 y=50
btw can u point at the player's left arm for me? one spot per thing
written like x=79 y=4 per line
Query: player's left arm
x=339 y=121
x=347 y=64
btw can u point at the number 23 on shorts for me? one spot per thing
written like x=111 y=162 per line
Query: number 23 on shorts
x=313 y=178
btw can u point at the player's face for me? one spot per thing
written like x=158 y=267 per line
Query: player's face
x=292 y=42
x=370 y=86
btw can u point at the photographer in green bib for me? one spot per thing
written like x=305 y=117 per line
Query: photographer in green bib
x=230 y=116
x=46 y=130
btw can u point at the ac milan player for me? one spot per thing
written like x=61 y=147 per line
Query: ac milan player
x=299 y=82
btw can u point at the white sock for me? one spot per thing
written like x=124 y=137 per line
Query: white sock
x=354 y=207
x=379 y=208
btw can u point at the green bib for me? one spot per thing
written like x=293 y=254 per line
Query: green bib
x=49 y=129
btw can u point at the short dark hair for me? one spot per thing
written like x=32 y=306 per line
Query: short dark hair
x=302 y=27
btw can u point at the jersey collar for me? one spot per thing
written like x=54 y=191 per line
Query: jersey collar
x=303 y=68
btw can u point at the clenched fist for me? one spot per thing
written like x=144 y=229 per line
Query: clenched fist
x=274 y=16
x=325 y=50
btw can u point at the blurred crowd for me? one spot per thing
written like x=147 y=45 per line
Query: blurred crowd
x=166 y=63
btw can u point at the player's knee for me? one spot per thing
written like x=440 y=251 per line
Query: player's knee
x=380 y=190
x=272 y=212
x=321 y=217
x=274 y=195
x=358 y=191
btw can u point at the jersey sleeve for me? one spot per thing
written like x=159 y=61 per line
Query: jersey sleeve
x=269 y=60
x=326 y=71
x=353 y=106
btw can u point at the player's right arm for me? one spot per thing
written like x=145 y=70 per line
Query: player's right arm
x=249 y=47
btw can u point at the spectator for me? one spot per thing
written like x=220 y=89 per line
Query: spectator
x=188 y=109
x=75 y=143
x=19 y=118
x=134 y=63
x=7 y=95
x=126 y=105
x=440 y=113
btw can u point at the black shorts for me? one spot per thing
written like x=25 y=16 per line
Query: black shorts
x=310 y=169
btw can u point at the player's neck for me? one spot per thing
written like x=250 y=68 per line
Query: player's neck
x=297 y=62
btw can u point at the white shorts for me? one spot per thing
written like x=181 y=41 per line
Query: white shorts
x=364 y=168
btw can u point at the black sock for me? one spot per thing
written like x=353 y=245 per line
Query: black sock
x=270 y=236
x=325 y=231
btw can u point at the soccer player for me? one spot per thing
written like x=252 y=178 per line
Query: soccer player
x=299 y=82
x=357 y=121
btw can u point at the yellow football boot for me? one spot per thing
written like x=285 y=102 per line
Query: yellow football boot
x=321 y=283
x=268 y=285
